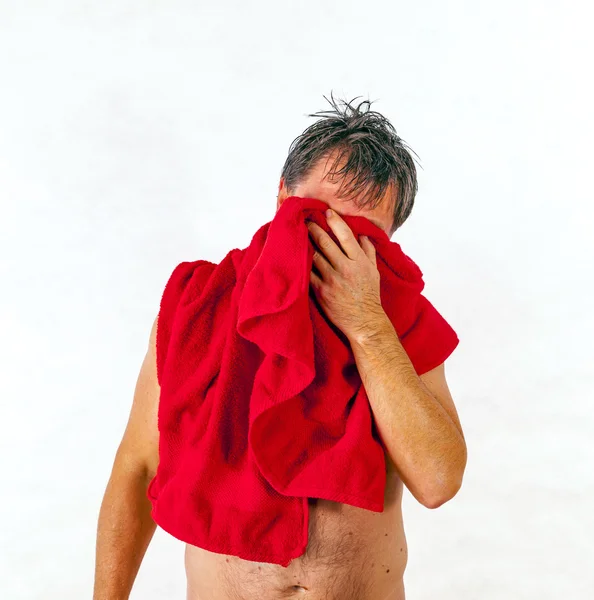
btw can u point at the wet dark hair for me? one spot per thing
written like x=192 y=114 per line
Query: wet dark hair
x=377 y=157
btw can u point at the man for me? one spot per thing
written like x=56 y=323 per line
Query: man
x=352 y=553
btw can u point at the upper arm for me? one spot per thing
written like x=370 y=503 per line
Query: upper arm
x=139 y=448
x=435 y=382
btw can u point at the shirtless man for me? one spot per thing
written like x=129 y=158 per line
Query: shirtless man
x=352 y=553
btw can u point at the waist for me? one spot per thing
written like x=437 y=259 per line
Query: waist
x=352 y=554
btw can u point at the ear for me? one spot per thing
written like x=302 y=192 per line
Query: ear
x=282 y=193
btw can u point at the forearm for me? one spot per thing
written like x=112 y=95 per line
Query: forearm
x=424 y=443
x=124 y=531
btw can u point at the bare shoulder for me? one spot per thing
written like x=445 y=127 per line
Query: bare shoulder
x=140 y=444
x=153 y=336
x=435 y=381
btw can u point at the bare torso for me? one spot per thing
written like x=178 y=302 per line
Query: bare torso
x=352 y=554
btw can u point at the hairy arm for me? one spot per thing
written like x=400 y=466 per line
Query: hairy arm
x=415 y=415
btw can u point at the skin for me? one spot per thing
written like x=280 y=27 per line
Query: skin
x=353 y=554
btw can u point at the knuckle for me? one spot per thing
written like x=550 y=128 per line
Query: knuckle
x=324 y=241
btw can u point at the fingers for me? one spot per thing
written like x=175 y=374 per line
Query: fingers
x=368 y=248
x=321 y=264
x=343 y=233
x=326 y=244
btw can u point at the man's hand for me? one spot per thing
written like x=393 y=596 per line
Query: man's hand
x=348 y=287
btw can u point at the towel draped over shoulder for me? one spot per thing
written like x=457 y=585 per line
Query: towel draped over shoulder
x=261 y=404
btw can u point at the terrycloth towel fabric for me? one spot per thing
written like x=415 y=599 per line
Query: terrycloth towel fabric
x=261 y=403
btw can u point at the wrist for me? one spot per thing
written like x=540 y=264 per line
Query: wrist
x=376 y=326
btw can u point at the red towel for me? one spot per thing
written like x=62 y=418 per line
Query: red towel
x=261 y=402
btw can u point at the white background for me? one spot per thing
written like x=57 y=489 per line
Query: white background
x=136 y=135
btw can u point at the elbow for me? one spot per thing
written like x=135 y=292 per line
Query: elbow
x=439 y=496
x=442 y=487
